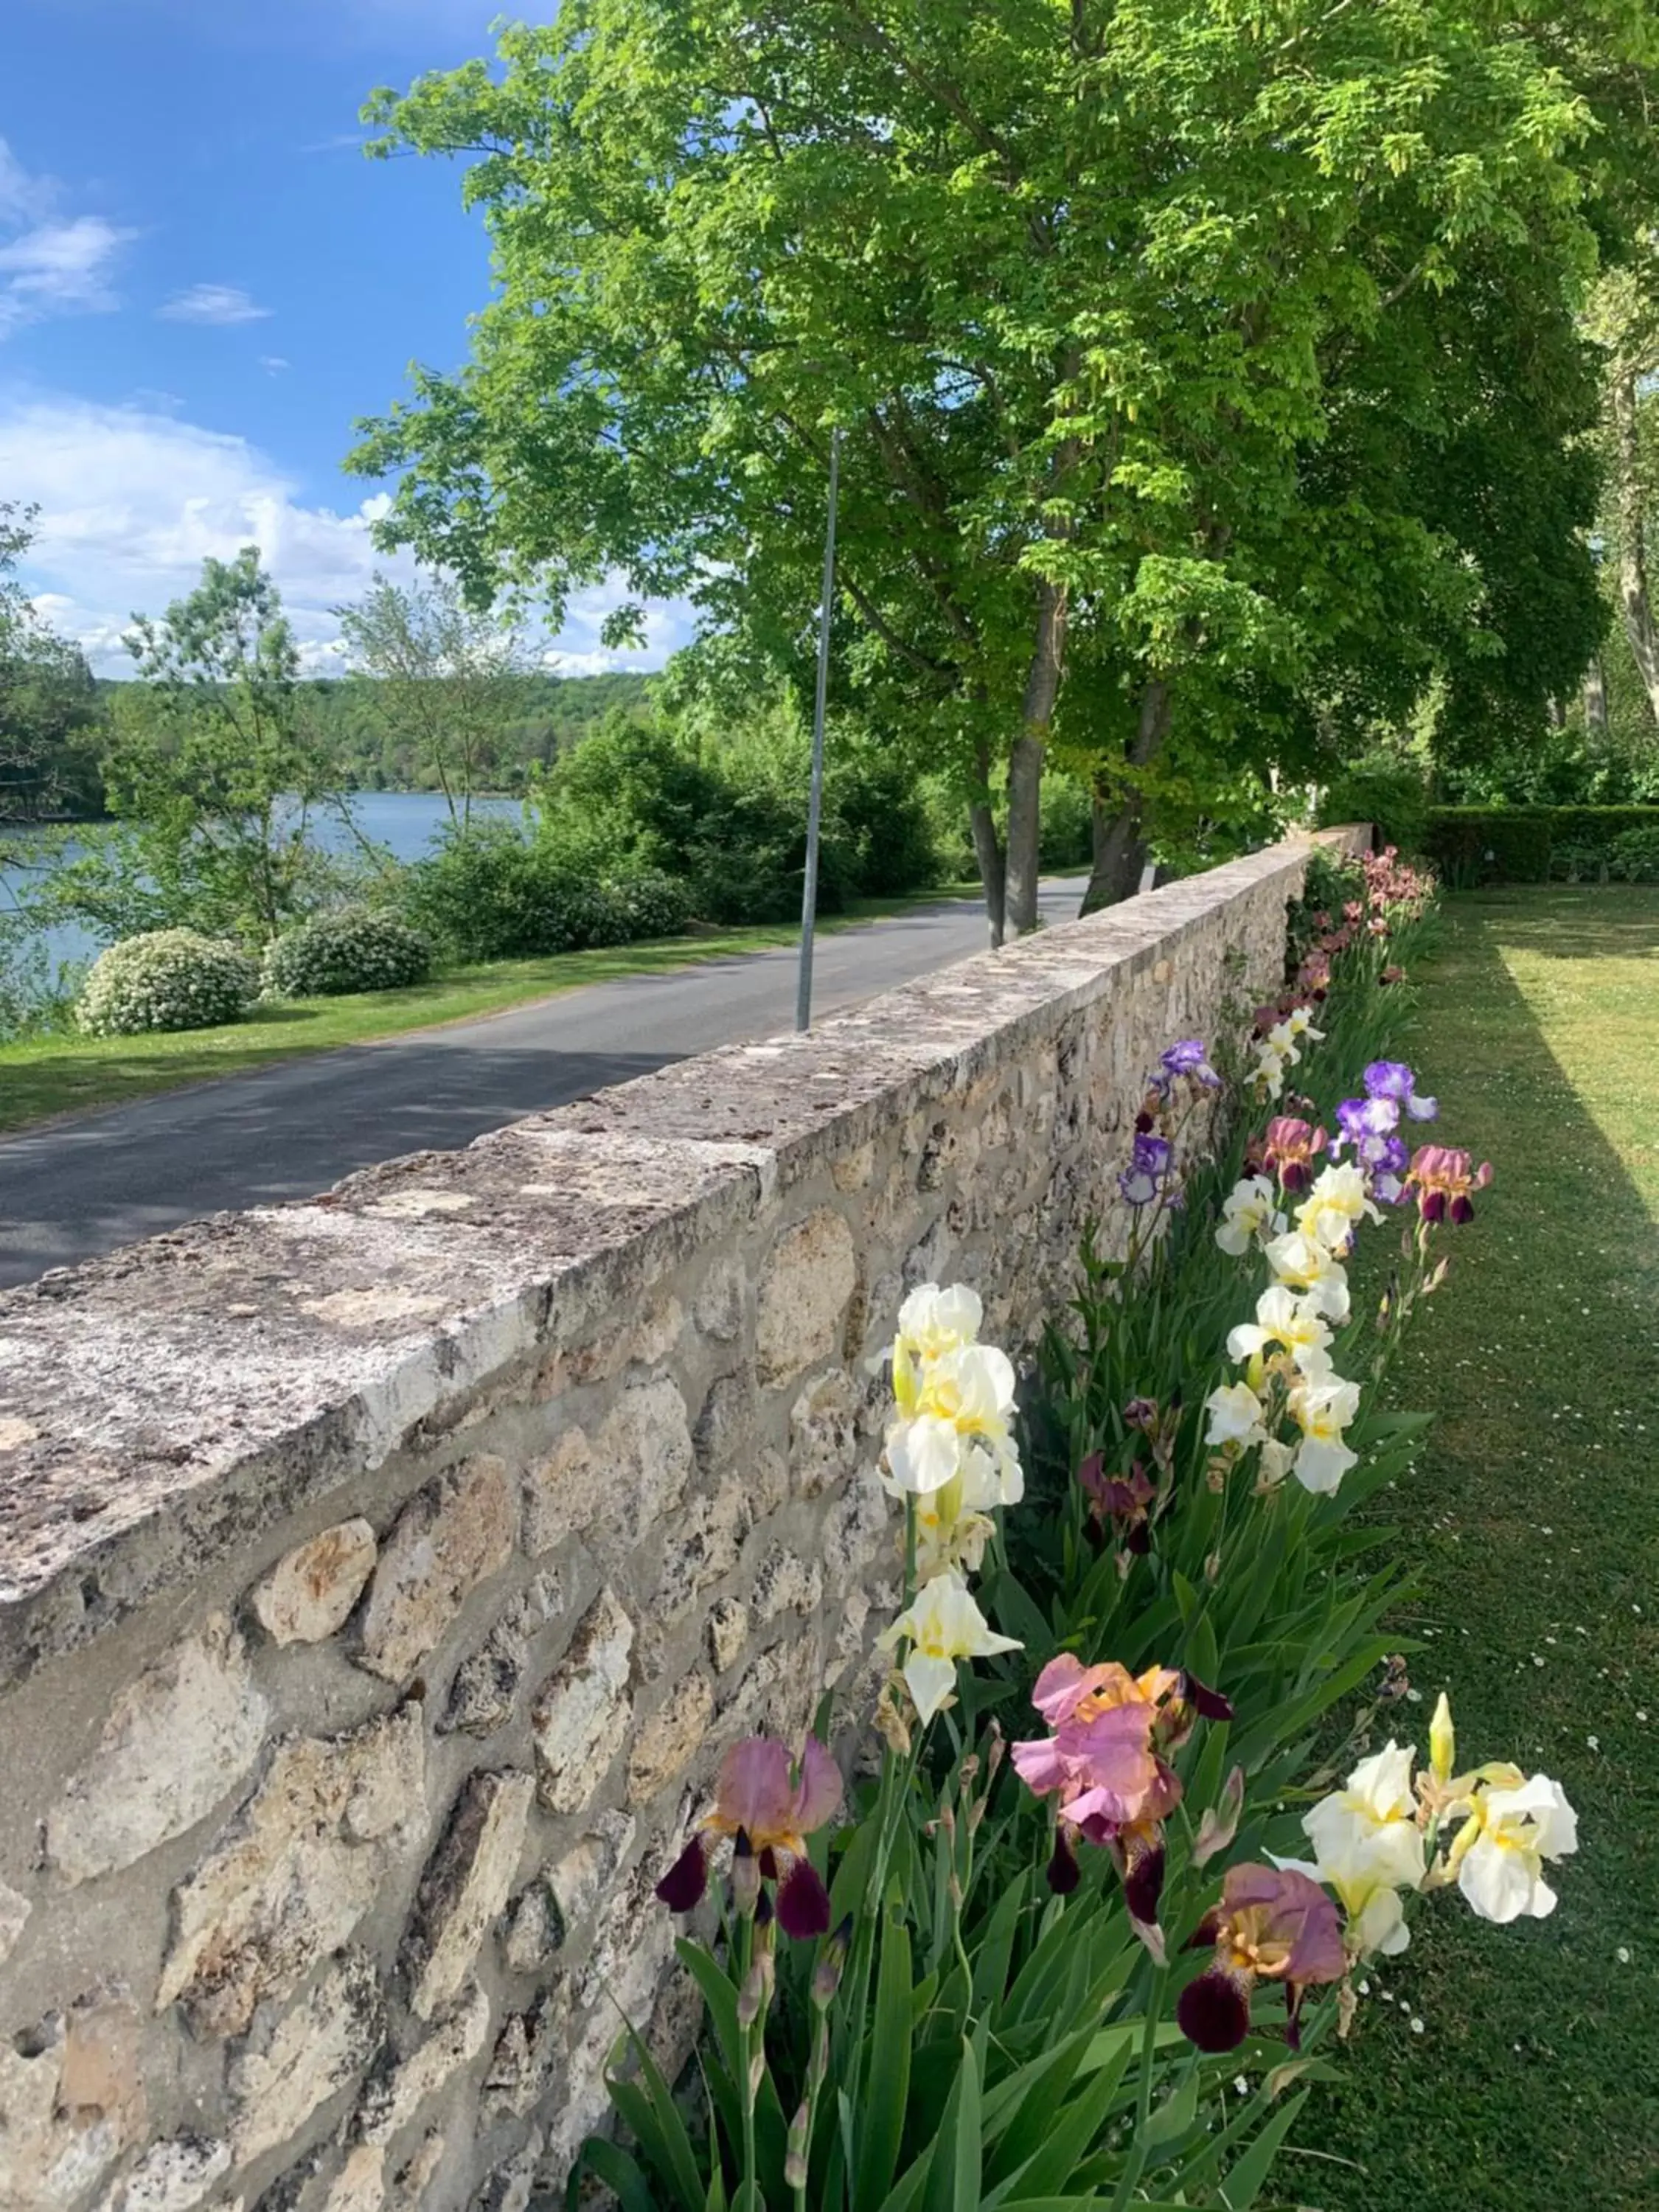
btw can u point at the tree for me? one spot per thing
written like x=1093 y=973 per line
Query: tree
x=48 y=701
x=212 y=768
x=1625 y=319
x=447 y=681
x=1103 y=299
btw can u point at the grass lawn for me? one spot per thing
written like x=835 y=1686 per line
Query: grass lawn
x=1533 y=1518
x=58 y=1074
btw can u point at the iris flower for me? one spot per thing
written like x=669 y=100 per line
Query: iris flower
x=956 y=1409
x=1392 y=1079
x=942 y=1626
x=1291 y=1146
x=1322 y=1409
x=1515 y=1823
x=768 y=1805
x=1289 y=1319
x=1273 y=1924
x=1190 y=1059
x=1339 y=1201
x=1247 y=1215
x=1306 y=1265
x=1235 y=1416
x=1443 y=1175
x=1104 y=1760
x=1368 y=1847
x=932 y=1322
x=1148 y=1172
x=1121 y=1499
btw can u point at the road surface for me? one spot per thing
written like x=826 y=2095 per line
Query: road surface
x=83 y=1186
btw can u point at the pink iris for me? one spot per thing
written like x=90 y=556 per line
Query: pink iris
x=1271 y=1924
x=769 y=1804
x=1291 y=1146
x=1104 y=1763
x=1443 y=1177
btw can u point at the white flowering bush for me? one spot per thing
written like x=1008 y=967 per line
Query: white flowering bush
x=166 y=978
x=351 y=950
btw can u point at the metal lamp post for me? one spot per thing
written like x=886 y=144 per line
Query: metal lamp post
x=809 y=904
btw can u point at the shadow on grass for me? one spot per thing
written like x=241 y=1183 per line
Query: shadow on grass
x=1532 y=1517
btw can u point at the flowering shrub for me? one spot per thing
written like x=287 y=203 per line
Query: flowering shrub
x=1028 y=1983
x=167 y=979
x=347 y=951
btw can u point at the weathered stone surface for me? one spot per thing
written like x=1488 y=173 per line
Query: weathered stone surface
x=455 y=1535
x=309 y=1593
x=577 y=1879
x=823 y=1432
x=14 y=1913
x=669 y=1740
x=859 y=1527
x=360 y=2185
x=584 y=1707
x=618 y=1484
x=521 y=2066
x=645 y=1342
x=728 y=1421
x=805 y=1291
x=533 y=1930
x=71 y=2101
x=718 y=1310
x=486 y=1684
x=508 y=2188
x=176 y=1742
x=728 y=1632
x=170 y=2177
x=295 y=2062
x=296 y=1871
x=703 y=1546
x=396 y=2090
x=412 y=2182
x=787 y=1583
x=464 y=1887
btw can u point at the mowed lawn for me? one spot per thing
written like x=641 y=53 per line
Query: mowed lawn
x=1532 y=1517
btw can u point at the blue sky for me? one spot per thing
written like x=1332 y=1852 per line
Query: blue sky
x=202 y=283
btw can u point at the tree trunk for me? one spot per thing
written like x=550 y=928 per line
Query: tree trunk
x=987 y=851
x=1120 y=849
x=1596 y=698
x=1632 y=551
x=1025 y=764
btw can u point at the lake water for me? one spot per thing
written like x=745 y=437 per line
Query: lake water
x=404 y=822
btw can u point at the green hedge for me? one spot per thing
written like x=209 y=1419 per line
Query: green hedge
x=1514 y=844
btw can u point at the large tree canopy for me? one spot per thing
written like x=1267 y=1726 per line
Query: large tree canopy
x=1198 y=362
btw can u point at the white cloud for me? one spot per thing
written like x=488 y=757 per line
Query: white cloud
x=50 y=263
x=272 y=363
x=214 y=304
x=133 y=502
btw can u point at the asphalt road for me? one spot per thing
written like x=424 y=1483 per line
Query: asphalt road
x=83 y=1186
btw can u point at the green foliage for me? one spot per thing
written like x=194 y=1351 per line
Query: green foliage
x=49 y=706
x=211 y=768
x=1198 y=367
x=168 y=979
x=346 y=950
x=1392 y=797
x=491 y=892
x=1635 y=854
x=1530 y=844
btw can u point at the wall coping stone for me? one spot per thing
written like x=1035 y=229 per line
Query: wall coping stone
x=160 y=1406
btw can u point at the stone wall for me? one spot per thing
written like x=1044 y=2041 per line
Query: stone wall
x=381 y=1576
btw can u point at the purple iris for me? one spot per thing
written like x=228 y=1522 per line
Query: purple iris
x=1392 y=1079
x=1149 y=1165
x=1188 y=1058
x=1361 y=1119
x=1385 y=1160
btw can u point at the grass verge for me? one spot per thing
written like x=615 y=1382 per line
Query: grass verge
x=45 y=1076
x=1524 y=2062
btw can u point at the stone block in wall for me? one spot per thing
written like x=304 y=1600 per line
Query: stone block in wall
x=309 y=1593
x=15 y=1910
x=293 y=2062
x=71 y=2101
x=805 y=1289
x=487 y=1683
x=670 y=1738
x=615 y=1486
x=174 y=2175
x=399 y=2089
x=578 y=1879
x=465 y=1888
x=297 y=1870
x=584 y=1707
x=526 y=2053
x=726 y=1633
x=454 y=1534
x=360 y=2185
x=824 y=1442
x=177 y=1741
